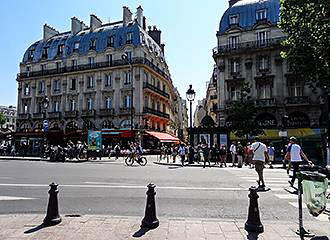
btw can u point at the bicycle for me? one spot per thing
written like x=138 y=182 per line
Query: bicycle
x=130 y=159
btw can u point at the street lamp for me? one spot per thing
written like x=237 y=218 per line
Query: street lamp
x=190 y=96
x=128 y=60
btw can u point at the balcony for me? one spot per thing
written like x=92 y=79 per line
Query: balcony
x=54 y=115
x=107 y=112
x=23 y=116
x=300 y=100
x=243 y=46
x=126 y=110
x=83 y=67
x=37 y=116
x=266 y=102
x=156 y=112
x=88 y=113
x=70 y=114
x=155 y=89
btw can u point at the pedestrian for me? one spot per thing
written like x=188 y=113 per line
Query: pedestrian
x=233 y=152
x=260 y=156
x=240 y=155
x=271 y=153
x=223 y=155
x=249 y=154
x=182 y=153
x=174 y=153
x=117 y=150
x=294 y=155
x=206 y=154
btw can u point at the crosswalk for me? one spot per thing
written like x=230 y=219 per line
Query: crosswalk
x=277 y=181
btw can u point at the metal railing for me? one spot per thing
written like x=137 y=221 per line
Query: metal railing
x=88 y=113
x=297 y=100
x=107 y=112
x=70 y=114
x=23 y=116
x=155 y=89
x=249 y=45
x=266 y=102
x=54 y=114
x=37 y=115
x=83 y=67
x=156 y=112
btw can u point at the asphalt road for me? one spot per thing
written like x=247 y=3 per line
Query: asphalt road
x=115 y=189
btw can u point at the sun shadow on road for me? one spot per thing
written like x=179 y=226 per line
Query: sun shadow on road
x=35 y=229
x=252 y=236
x=320 y=238
x=141 y=232
x=176 y=167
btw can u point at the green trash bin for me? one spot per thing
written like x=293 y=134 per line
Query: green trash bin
x=315 y=186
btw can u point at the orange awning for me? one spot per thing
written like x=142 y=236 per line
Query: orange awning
x=164 y=137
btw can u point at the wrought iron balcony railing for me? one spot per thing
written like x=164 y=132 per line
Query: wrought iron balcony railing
x=266 y=102
x=88 y=113
x=23 y=116
x=156 y=112
x=248 y=45
x=297 y=100
x=155 y=89
x=70 y=114
x=83 y=67
x=37 y=116
x=54 y=115
x=107 y=112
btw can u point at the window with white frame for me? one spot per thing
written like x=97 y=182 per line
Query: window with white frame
x=108 y=102
x=295 y=88
x=263 y=63
x=73 y=85
x=73 y=105
x=89 y=104
x=92 y=44
x=233 y=19
x=265 y=91
x=261 y=14
x=58 y=66
x=76 y=47
x=90 y=82
x=27 y=89
x=127 y=101
x=111 y=41
x=235 y=65
x=43 y=67
x=109 y=59
x=41 y=86
x=129 y=37
x=91 y=61
x=60 y=49
x=235 y=93
x=57 y=85
x=233 y=42
x=262 y=38
x=56 y=106
x=39 y=107
x=108 y=80
x=74 y=64
x=25 y=108
x=127 y=78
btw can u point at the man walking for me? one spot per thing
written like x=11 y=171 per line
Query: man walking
x=271 y=153
x=260 y=155
x=294 y=154
x=232 y=150
x=182 y=153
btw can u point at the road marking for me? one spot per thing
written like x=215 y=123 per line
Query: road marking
x=9 y=198
x=126 y=186
x=271 y=181
x=286 y=196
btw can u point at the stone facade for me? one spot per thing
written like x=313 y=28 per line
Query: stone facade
x=89 y=83
x=10 y=115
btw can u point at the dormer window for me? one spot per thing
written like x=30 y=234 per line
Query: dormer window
x=76 y=47
x=233 y=19
x=261 y=14
x=45 y=52
x=60 y=49
x=92 y=44
x=31 y=54
x=111 y=41
x=129 y=37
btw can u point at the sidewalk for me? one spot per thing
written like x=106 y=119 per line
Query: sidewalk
x=98 y=227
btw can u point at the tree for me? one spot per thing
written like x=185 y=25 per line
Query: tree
x=243 y=115
x=307 y=48
x=2 y=119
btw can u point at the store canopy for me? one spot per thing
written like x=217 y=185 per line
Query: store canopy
x=164 y=137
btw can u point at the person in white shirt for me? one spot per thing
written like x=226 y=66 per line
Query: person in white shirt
x=232 y=150
x=294 y=155
x=260 y=155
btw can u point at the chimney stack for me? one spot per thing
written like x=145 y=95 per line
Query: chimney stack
x=76 y=25
x=232 y=2
x=155 y=34
x=144 y=24
x=139 y=15
x=95 y=22
x=127 y=16
x=49 y=32
x=162 y=46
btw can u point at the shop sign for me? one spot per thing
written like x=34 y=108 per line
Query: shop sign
x=94 y=140
x=298 y=120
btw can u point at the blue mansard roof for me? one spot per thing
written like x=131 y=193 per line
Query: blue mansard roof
x=246 y=11
x=139 y=37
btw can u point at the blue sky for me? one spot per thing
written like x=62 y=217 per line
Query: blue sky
x=188 y=30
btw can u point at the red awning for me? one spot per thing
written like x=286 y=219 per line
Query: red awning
x=164 y=137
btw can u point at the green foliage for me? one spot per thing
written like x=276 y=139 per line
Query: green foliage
x=307 y=48
x=2 y=119
x=243 y=113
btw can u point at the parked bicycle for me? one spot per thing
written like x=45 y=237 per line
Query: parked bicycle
x=130 y=159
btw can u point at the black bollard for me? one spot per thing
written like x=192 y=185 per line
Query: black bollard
x=150 y=220
x=52 y=217
x=253 y=223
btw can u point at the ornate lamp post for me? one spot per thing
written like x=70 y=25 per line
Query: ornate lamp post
x=128 y=60
x=191 y=97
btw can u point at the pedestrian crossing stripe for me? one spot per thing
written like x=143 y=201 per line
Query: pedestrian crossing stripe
x=286 y=196
x=11 y=198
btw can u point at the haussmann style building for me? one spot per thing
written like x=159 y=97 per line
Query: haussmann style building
x=248 y=51
x=106 y=76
